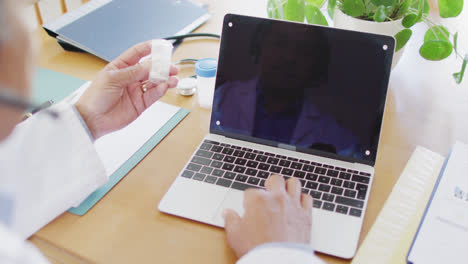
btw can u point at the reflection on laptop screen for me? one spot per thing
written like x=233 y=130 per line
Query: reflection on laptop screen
x=315 y=88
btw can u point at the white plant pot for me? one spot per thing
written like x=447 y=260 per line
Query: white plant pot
x=390 y=28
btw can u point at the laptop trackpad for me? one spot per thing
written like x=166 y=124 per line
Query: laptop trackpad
x=233 y=200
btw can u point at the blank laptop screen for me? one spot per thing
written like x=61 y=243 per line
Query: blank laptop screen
x=319 y=89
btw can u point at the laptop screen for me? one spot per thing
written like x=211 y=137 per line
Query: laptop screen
x=321 y=90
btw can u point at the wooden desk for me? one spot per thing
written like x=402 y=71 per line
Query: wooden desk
x=126 y=227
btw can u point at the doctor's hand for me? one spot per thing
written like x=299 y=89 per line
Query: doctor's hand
x=280 y=214
x=118 y=95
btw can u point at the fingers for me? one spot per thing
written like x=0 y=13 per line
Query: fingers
x=174 y=70
x=306 y=201
x=293 y=188
x=154 y=94
x=132 y=56
x=232 y=221
x=275 y=184
x=130 y=75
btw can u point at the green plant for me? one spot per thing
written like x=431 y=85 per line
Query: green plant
x=439 y=42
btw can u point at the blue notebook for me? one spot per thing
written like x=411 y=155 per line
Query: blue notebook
x=51 y=85
x=106 y=28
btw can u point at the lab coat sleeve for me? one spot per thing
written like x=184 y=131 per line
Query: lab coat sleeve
x=13 y=250
x=279 y=253
x=55 y=166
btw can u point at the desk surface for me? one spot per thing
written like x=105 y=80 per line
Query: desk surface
x=126 y=227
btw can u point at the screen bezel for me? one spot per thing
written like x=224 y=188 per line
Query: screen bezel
x=387 y=62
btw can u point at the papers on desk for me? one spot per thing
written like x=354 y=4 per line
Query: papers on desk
x=443 y=233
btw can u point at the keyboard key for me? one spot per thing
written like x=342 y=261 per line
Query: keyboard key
x=332 y=173
x=328 y=197
x=194 y=167
x=303 y=182
x=355 y=212
x=223 y=182
x=239 y=169
x=365 y=174
x=296 y=166
x=218 y=173
x=324 y=179
x=315 y=163
x=230 y=175
x=284 y=163
x=204 y=154
x=216 y=164
x=251 y=172
x=348 y=184
x=319 y=170
x=241 y=187
x=211 y=142
x=227 y=151
x=236 y=147
x=281 y=156
x=206 y=170
x=252 y=164
x=218 y=156
x=287 y=172
x=201 y=161
x=247 y=149
x=353 y=171
x=250 y=156
x=341 y=209
x=340 y=169
x=349 y=202
x=305 y=191
x=206 y=146
x=312 y=185
x=261 y=158
x=241 y=178
x=350 y=193
x=315 y=194
x=328 y=206
x=263 y=174
x=328 y=166
x=293 y=159
x=270 y=154
x=361 y=179
x=273 y=161
x=216 y=149
x=317 y=204
x=324 y=188
x=224 y=145
x=299 y=174
x=262 y=183
x=275 y=169
x=263 y=166
x=210 y=179
x=229 y=159
x=239 y=153
x=337 y=190
x=336 y=182
x=345 y=175
x=187 y=174
x=199 y=177
x=240 y=161
x=308 y=168
x=228 y=166
x=311 y=177
x=304 y=161
x=253 y=180
x=362 y=191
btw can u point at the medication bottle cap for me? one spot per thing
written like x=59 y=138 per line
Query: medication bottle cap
x=206 y=67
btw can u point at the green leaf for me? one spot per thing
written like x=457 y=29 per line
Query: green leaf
x=403 y=8
x=383 y=2
x=436 y=50
x=455 y=43
x=331 y=8
x=315 y=16
x=409 y=20
x=437 y=33
x=317 y=3
x=425 y=9
x=380 y=14
x=272 y=9
x=354 y=8
x=459 y=75
x=450 y=8
x=402 y=38
x=294 y=10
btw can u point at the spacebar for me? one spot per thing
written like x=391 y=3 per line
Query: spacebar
x=242 y=187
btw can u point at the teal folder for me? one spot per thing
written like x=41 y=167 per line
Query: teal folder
x=51 y=85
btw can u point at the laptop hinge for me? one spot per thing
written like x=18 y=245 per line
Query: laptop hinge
x=287 y=147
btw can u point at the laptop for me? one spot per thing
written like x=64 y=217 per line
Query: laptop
x=296 y=100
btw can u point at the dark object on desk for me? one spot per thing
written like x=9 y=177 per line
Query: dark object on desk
x=19 y=103
x=106 y=28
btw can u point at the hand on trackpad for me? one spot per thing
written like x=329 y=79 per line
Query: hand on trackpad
x=233 y=200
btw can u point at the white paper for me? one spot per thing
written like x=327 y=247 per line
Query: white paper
x=443 y=237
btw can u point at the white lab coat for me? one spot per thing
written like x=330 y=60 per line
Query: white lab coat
x=48 y=166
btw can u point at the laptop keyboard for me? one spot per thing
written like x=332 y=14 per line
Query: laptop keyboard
x=333 y=188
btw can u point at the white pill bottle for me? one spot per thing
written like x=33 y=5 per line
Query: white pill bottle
x=206 y=77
